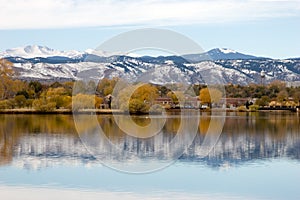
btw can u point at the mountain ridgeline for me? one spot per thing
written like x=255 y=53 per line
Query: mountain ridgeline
x=217 y=65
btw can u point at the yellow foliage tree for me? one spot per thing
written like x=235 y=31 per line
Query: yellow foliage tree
x=106 y=86
x=85 y=101
x=140 y=100
x=7 y=85
x=145 y=92
x=210 y=96
x=177 y=97
x=98 y=101
x=53 y=98
x=59 y=96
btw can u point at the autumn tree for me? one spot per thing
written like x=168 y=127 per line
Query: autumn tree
x=176 y=96
x=173 y=97
x=263 y=101
x=6 y=81
x=282 y=96
x=20 y=101
x=80 y=87
x=68 y=87
x=24 y=93
x=145 y=92
x=210 y=96
x=85 y=101
x=42 y=104
x=53 y=98
x=296 y=96
x=106 y=86
x=98 y=101
x=91 y=87
x=56 y=85
x=59 y=96
x=138 y=101
x=163 y=90
x=35 y=88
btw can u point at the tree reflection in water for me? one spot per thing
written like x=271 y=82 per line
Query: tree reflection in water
x=246 y=137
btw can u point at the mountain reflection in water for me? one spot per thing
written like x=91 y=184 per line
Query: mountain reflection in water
x=38 y=141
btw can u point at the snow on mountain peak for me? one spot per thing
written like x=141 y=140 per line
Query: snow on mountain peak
x=226 y=51
x=32 y=51
x=102 y=53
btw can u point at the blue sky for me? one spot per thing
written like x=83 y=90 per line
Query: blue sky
x=261 y=27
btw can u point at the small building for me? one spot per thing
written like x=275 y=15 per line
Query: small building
x=235 y=102
x=107 y=102
x=163 y=101
x=191 y=102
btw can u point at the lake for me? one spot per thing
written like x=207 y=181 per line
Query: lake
x=214 y=155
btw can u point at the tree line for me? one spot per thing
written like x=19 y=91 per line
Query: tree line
x=40 y=96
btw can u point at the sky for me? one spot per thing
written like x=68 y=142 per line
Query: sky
x=268 y=28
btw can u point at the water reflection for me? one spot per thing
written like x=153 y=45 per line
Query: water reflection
x=37 y=141
x=250 y=137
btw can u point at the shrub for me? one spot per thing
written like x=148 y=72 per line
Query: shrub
x=83 y=101
x=3 y=104
x=43 y=105
x=138 y=106
x=29 y=103
x=242 y=109
x=20 y=101
x=253 y=107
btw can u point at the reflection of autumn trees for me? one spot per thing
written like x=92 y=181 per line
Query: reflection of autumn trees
x=13 y=127
x=113 y=132
x=110 y=129
x=267 y=131
x=204 y=124
x=172 y=125
x=273 y=125
x=210 y=125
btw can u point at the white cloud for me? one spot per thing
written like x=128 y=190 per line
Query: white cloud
x=23 y=14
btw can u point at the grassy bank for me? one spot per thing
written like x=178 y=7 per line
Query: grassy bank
x=60 y=111
x=115 y=111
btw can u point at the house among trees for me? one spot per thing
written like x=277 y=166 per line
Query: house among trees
x=163 y=101
x=235 y=102
x=106 y=104
x=191 y=102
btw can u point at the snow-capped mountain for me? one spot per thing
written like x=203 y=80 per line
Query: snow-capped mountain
x=228 y=54
x=219 y=54
x=34 y=51
x=223 y=66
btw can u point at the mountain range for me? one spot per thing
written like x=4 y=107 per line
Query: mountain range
x=220 y=65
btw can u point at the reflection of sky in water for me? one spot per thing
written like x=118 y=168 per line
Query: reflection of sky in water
x=257 y=156
x=276 y=179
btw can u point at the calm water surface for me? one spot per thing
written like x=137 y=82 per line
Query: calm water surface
x=256 y=157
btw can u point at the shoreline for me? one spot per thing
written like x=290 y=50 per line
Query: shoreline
x=60 y=111
x=115 y=111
